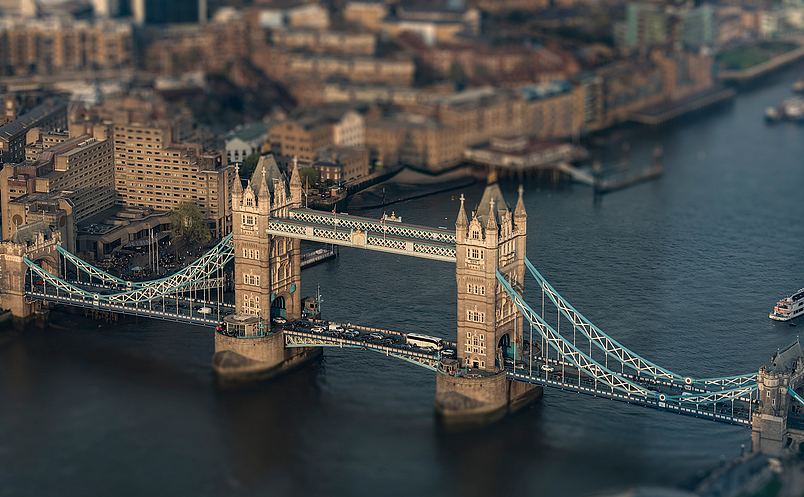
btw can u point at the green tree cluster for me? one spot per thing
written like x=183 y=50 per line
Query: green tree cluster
x=187 y=224
x=249 y=165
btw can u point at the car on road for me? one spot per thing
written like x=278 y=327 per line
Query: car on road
x=448 y=353
x=509 y=361
x=279 y=320
x=317 y=329
x=204 y=310
x=376 y=336
x=548 y=368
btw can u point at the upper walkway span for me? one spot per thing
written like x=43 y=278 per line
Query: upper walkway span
x=354 y=231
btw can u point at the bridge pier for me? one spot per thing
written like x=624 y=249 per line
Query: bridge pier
x=248 y=359
x=465 y=403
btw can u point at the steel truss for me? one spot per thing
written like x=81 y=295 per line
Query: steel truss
x=372 y=241
x=571 y=353
x=409 y=231
x=617 y=351
x=212 y=261
x=302 y=339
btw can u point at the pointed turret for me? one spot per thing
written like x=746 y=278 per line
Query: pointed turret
x=520 y=216
x=295 y=184
x=237 y=189
x=462 y=223
x=491 y=223
x=264 y=196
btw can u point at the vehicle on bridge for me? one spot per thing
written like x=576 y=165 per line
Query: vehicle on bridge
x=424 y=341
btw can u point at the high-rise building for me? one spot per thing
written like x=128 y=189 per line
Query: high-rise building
x=152 y=171
x=80 y=168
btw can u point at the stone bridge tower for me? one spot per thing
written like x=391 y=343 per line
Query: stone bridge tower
x=267 y=267
x=37 y=241
x=770 y=432
x=489 y=325
x=267 y=275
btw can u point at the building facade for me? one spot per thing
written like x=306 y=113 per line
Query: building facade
x=151 y=171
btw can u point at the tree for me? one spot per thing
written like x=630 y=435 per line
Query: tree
x=308 y=176
x=187 y=223
x=249 y=165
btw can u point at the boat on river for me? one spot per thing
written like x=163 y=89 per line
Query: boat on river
x=791 y=109
x=789 y=307
x=798 y=86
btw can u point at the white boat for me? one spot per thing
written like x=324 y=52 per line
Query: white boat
x=789 y=307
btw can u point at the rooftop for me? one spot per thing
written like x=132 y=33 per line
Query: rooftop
x=26 y=122
x=250 y=132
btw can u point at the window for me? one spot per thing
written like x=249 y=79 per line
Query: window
x=250 y=279
x=473 y=253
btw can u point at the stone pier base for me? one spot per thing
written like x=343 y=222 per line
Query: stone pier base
x=468 y=403
x=243 y=360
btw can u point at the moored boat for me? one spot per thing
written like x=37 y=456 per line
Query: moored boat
x=789 y=307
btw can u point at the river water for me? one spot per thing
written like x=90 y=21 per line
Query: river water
x=683 y=270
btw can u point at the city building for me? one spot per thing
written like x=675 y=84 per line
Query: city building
x=153 y=172
x=208 y=47
x=413 y=140
x=48 y=116
x=366 y=13
x=654 y=24
x=553 y=110
x=334 y=42
x=341 y=164
x=78 y=169
x=436 y=22
x=61 y=44
x=481 y=62
x=303 y=16
x=481 y=113
x=282 y=65
x=303 y=134
x=243 y=142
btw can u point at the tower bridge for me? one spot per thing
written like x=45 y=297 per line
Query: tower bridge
x=507 y=347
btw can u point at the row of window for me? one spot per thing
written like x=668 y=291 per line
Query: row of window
x=475 y=343
x=476 y=316
x=251 y=254
x=251 y=305
x=250 y=279
x=475 y=289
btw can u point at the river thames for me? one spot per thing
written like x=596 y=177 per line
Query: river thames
x=682 y=270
